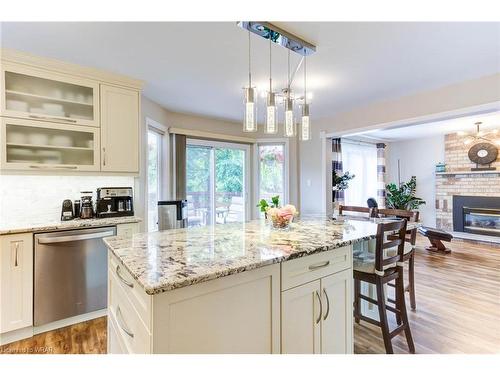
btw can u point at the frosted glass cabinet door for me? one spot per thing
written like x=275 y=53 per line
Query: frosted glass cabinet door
x=300 y=334
x=43 y=95
x=119 y=129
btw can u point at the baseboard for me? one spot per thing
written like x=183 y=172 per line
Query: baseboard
x=70 y=321
x=27 y=332
x=18 y=334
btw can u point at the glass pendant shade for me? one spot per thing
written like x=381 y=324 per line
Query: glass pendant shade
x=305 y=126
x=289 y=118
x=272 y=114
x=250 y=118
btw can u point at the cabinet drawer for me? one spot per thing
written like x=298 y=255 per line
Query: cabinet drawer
x=115 y=341
x=129 y=326
x=131 y=290
x=303 y=270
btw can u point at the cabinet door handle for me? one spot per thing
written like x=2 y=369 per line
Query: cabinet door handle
x=16 y=258
x=313 y=267
x=327 y=304
x=320 y=308
x=122 y=279
x=104 y=156
x=53 y=118
x=124 y=329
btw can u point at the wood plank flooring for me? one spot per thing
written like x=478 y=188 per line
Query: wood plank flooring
x=458 y=310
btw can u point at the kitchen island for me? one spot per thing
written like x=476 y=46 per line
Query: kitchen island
x=234 y=288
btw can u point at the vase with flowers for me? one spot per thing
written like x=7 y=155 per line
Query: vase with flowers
x=280 y=217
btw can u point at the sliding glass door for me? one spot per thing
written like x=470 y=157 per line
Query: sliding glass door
x=216 y=182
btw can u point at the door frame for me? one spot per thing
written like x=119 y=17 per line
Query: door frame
x=246 y=168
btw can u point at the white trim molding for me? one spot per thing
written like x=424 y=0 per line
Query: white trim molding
x=208 y=135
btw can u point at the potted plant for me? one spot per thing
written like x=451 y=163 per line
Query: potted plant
x=340 y=183
x=403 y=197
x=264 y=205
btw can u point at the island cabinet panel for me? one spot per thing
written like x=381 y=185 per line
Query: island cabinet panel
x=16 y=281
x=336 y=325
x=234 y=314
x=300 y=320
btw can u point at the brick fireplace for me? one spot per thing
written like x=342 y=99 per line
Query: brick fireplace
x=459 y=181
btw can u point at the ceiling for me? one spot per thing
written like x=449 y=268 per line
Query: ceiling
x=465 y=124
x=201 y=67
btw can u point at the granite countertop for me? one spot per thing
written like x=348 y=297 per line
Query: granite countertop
x=24 y=227
x=167 y=260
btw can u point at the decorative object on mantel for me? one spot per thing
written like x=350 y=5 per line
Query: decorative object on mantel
x=295 y=44
x=403 y=198
x=483 y=153
x=440 y=167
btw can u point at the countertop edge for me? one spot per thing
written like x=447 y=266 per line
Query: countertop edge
x=230 y=271
x=79 y=223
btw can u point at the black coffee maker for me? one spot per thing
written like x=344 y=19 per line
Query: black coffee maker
x=114 y=202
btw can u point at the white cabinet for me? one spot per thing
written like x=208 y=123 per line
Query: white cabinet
x=119 y=129
x=44 y=95
x=300 y=321
x=336 y=325
x=40 y=145
x=317 y=314
x=16 y=281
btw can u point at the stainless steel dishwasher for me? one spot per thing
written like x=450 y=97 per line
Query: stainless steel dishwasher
x=70 y=273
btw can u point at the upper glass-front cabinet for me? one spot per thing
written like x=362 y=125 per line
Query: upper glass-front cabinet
x=41 y=95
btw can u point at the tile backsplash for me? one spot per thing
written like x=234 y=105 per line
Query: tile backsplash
x=38 y=199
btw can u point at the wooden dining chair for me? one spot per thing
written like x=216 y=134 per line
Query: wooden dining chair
x=409 y=250
x=370 y=212
x=380 y=269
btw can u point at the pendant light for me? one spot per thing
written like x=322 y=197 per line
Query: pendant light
x=305 y=130
x=289 y=116
x=272 y=111
x=250 y=119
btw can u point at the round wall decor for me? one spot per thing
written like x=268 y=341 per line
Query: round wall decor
x=483 y=153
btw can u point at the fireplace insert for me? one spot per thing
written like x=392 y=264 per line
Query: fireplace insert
x=479 y=215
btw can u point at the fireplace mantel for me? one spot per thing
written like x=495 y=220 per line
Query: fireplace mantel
x=454 y=173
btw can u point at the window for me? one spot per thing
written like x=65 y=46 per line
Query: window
x=155 y=142
x=216 y=182
x=272 y=174
x=360 y=160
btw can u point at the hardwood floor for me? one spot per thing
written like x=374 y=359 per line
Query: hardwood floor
x=458 y=310
x=458 y=303
x=82 y=338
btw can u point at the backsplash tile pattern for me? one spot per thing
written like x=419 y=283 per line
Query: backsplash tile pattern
x=38 y=199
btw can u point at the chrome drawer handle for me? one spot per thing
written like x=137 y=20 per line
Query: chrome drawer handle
x=327 y=304
x=16 y=262
x=320 y=308
x=122 y=279
x=319 y=265
x=126 y=330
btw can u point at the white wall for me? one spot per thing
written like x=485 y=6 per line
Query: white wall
x=38 y=198
x=417 y=157
x=476 y=92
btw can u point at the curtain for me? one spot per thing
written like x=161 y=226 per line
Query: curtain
x=337 y=196
x=360 y=159
x=381 y=175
